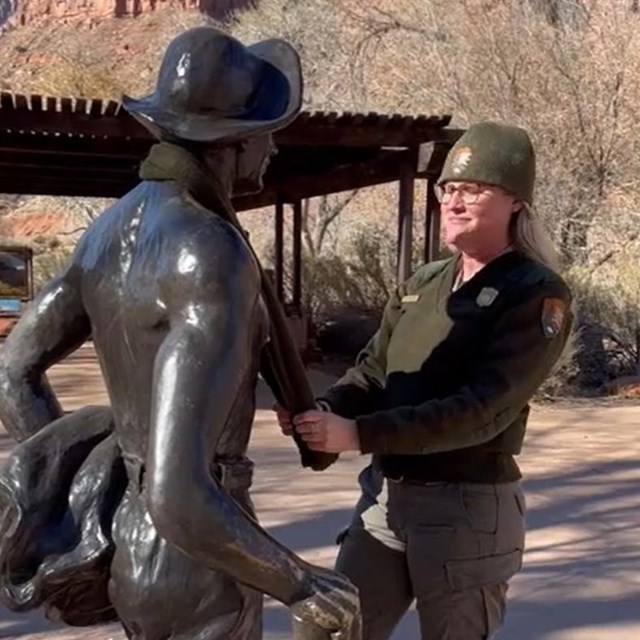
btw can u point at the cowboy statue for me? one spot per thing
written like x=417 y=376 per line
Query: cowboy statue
x=140 y=512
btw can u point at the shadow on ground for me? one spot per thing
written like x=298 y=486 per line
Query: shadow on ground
x=581 y=577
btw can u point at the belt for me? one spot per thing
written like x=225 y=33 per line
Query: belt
x=402 y=479
x=234 y=474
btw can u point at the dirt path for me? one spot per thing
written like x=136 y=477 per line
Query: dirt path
x=581 y=579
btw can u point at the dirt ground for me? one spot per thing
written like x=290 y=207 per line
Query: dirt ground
x=581 y=578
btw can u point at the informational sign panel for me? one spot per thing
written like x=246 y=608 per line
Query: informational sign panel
x=14 y=275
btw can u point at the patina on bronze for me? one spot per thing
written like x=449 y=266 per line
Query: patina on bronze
x=141 y=512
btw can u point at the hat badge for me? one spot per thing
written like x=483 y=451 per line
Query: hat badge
x=461 y=159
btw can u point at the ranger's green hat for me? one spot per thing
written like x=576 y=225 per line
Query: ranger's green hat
x=496 y=154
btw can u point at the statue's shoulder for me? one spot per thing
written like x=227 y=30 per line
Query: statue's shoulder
x=206 y=234
x=158 y=225
x=199 y=244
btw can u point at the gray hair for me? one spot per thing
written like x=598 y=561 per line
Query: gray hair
x=530 y=236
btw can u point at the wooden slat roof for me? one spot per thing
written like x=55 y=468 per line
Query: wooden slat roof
x=92 y=147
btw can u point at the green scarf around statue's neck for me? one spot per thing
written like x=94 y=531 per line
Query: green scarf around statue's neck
x=167 y=161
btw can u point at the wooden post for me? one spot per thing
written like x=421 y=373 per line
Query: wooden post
x=297 y=256
x=405 y=226
x=279 y=258
x=432 y=224
x=30 y=274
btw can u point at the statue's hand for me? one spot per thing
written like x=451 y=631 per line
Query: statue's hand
x=333 y=605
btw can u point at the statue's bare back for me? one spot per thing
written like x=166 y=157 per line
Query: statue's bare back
x=135 y=264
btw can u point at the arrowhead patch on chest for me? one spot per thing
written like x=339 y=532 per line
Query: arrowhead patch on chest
x=486 y=297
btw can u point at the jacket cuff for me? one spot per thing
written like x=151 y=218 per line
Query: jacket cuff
x=374 y=434
x=324 y=405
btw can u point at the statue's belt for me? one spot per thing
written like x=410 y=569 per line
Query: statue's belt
x=234 y=474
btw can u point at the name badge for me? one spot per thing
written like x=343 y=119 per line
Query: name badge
x=411 y=298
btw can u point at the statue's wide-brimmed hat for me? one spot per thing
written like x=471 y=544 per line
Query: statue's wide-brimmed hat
x=211 y=88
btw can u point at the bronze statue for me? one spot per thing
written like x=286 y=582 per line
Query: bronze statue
x=141 y=512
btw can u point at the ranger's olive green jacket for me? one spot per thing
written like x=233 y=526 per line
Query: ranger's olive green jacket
x=441 y=391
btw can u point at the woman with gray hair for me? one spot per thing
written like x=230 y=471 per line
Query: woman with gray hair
x=440 y=398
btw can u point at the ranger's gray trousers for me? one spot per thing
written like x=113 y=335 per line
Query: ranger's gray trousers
x=451 y=547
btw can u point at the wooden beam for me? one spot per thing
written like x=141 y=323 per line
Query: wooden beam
x=297 y=257
x=322 y=134
x=46 y=184
x=99 y=119
x=432 y=224
x=311 y=161
x=431 y=159
x=279 y=242
x=49 y=145
x=289 y=160
x=69 y=122
x=431 y=156
x=383 y=167
x=85 y=170
x=405 y=225
x=386 y=166
x=49 y=157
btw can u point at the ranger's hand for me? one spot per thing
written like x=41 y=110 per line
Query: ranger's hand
x=326 y=431
x=285 y=419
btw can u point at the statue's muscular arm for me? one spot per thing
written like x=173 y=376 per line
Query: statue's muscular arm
x=53 y=325
x=210 y=296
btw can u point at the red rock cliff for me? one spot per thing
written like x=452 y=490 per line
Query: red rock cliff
x=32 y=11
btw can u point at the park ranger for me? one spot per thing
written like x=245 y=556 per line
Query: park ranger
x=440 y=397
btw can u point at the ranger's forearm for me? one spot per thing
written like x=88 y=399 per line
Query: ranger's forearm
x=358 y=391
x=351 y=395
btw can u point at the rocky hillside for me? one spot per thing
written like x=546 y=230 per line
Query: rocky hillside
x=104 y=58
x=83 y=48
x=29 y=12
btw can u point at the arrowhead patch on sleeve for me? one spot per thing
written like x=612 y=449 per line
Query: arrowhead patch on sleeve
x=553 y=314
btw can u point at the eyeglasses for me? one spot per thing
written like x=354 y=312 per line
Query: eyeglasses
x=468 y=193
